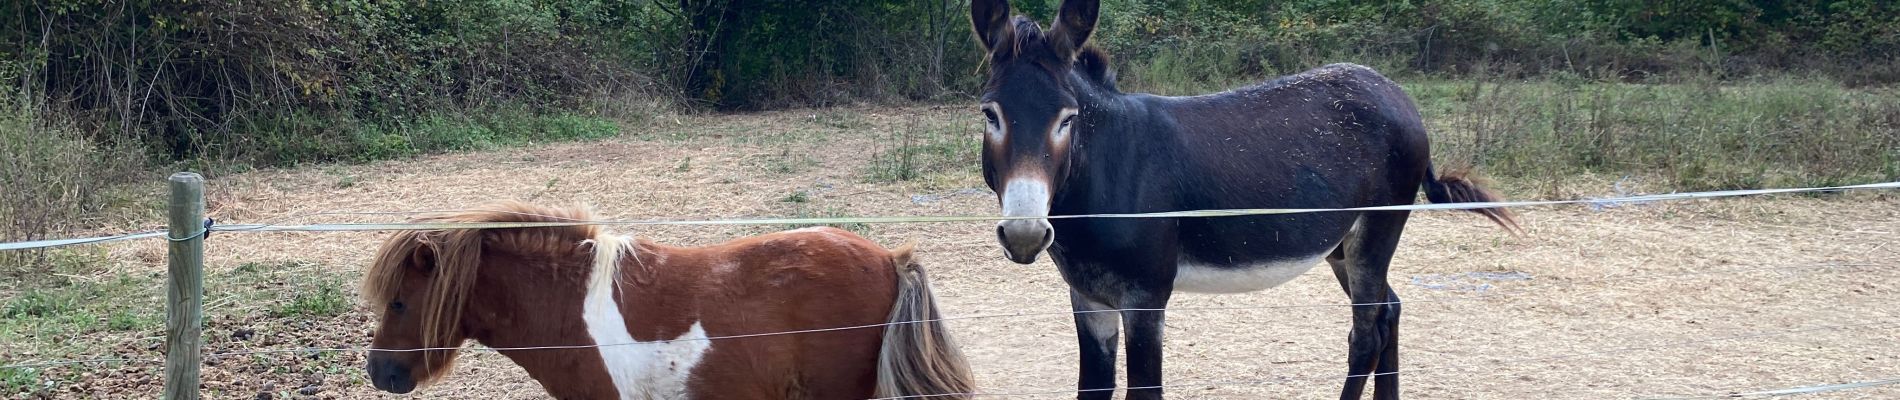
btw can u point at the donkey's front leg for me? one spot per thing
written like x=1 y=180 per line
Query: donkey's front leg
x=1097 y=326
x=1143 y=322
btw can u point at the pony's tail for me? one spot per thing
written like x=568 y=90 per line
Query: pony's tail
x=918 y=359
x=1458 y=186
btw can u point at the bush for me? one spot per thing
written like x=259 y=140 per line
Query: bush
x=296 y=80
x=282 y=82
x=752 y=54
x=1852 y=41
x=51 y=177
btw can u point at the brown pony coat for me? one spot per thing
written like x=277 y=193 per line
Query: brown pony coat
x=526 y=287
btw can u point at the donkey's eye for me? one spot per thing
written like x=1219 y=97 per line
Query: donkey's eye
x=1068 y=120
x=991 y=116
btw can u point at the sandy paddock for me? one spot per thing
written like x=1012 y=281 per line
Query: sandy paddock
x=1656 y=300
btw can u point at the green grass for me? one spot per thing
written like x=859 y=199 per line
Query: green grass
x=784 y=162
x=290 y=290
x=926 y=146
x=1693 y=131
x=326 y=298
x=80 y=309
x=125 y=320
x=39 y=304
x=1188 y=69
x=297 y=138
x=840 y=119
x=1696 y=136
x=323 y=300
x=22 y=380
x=76 y=308
x=805 y=210
x=77 y=297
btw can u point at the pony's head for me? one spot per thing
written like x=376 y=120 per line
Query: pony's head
x=421 y=281
x=1034 y=112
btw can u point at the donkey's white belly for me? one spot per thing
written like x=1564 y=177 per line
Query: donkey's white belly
x=640 y=370
x=1196 y=276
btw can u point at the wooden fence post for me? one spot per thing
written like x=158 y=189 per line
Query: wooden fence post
x=184 y=294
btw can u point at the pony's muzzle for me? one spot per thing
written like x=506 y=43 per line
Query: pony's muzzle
x=1023 y=239
x=390 y=376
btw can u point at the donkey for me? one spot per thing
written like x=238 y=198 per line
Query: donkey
x=592 y=315
x=1062 y=140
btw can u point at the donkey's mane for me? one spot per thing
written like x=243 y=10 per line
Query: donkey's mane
x=1094 y=64
x=1028 y=42
x=455 y=254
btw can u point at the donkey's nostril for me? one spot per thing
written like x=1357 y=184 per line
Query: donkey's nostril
x=1023 y=240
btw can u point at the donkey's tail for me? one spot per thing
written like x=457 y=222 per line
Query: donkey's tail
x=1457 y=186
x=918 y=359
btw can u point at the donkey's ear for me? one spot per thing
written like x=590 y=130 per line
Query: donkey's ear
x=1074 y=21
x=990 y=20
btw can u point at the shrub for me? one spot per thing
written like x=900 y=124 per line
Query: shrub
x=51 y=178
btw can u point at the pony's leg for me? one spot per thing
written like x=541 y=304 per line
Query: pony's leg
x=1144 y=340
x=1360 y=264
x=1096 y=331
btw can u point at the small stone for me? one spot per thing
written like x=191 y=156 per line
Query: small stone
x=243 y=334
x=310 y=390
x=262 y=396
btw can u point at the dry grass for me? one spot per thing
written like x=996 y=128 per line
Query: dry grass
x=1469 y=336
x=1701 y=136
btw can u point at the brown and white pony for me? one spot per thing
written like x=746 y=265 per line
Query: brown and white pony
x=612 y=317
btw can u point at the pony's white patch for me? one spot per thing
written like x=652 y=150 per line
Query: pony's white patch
x=827 y=234
x=640 y=370
x=1026 y=197
x=725 y=268
x=1197 y=276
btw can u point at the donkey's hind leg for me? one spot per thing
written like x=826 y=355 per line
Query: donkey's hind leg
x=1385 y=382
x=1360 y=263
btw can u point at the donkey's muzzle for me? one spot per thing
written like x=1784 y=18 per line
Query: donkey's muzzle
x=390 y=376
x=1023 y=239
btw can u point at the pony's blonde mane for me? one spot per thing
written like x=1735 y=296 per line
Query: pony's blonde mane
x=456 y=253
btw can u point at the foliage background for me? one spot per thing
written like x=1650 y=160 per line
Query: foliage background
x=97 y=91
x=286 y=81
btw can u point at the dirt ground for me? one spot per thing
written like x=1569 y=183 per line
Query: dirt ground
x=1638 y=301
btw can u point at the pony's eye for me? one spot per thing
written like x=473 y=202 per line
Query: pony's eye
x=991 y=115
x=395 y=306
